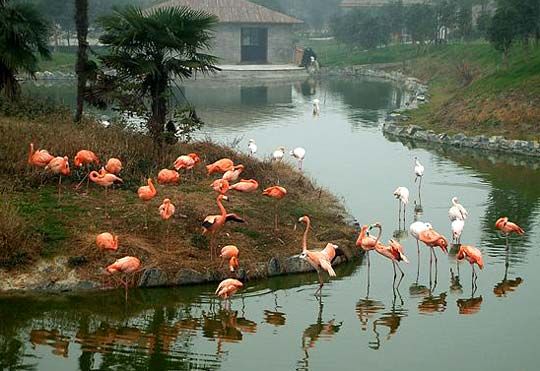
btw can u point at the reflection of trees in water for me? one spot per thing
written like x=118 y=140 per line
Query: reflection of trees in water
x=514 y=193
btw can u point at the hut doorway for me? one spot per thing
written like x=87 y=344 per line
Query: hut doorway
x=254 y=45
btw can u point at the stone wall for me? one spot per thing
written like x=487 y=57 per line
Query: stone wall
x=227 y=43
x=280 y=44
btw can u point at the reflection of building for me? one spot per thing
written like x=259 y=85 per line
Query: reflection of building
x=247 y=32
x=354 y=4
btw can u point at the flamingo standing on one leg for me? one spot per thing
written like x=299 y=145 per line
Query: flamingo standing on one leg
x=473 y=256
x=457 y=211
x=278 y=193
x=59 y=165
x=402 y=194
x=231 y=253
x=126 y=265
x=39 y=157
x=166 y=211
x=85 y=158
x=367 y=242
x=146 y=193
x=107 y=241
x=319 y=260
x=252 y=147
x=212 y=224
x=419 y=172
x=299 y=153
x=415 y=229
x=507 y=228
x=228 y=288
x=432 y=239
x=395 y=253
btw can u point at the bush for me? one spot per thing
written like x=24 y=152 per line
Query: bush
x=30 y=107
x=18 y=244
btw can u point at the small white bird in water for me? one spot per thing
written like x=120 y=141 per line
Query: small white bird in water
x=457 y=229
x=299 y=153
x=402 y=194
x=316 y=107
x=418 y=170
x=457 y=211
x=252 y=147
x=278 y=154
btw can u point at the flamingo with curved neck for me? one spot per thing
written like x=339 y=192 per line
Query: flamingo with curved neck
x=40 y=157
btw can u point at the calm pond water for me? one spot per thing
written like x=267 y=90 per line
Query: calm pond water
x=278 y=324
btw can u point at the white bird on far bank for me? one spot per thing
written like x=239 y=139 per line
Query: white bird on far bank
x=252 y=147
x=278 y=154
x=299 y=153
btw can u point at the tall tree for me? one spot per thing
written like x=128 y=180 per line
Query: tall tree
x=81 y=23
x=147 y=49
x=502 y=30
x=23 y=39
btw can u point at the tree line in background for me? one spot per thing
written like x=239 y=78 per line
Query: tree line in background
x=502 y=23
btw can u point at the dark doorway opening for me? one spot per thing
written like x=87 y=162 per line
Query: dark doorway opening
x=254 y=45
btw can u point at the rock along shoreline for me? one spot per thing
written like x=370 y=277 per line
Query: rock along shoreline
x=418 y=133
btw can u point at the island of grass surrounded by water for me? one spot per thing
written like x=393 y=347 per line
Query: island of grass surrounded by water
x=48 y=243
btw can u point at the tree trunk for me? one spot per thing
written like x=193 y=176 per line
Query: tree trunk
x=159 y=110
x=81 y=22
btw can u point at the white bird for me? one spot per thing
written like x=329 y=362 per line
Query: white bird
x=457 y=229
x=278 y=154
x=457 y=211
x=316 y=107
x=252 y=147
x=299 y=153
x=402 y=194
x=417 y=227
x=418 y=171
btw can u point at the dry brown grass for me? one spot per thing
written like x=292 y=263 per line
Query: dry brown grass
x=78 y=217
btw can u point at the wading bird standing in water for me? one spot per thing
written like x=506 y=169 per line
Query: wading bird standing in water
x=402 y=195
x=507 y=228
x=419 y=172
x=395 y=253
x=415 y=229
x=319 y=260
x=146 y=193
x=212 y=224
x=228 y=288
x=126 y=265
x=457 y=211
x=457 y=226
x=277 y=193
x=316 y=107
x=367 y=242
x=432 y=239
x=473 y=256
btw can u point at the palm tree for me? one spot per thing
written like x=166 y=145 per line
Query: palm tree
x=23 y=38
x=146 y=50
x=81 y=22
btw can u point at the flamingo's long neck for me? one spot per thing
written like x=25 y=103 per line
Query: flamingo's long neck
x=221 y=207
x=361 y=235
x=93 y=175
x=31 y=152
x=304 y=238
x=151 y=185
x=379 y=235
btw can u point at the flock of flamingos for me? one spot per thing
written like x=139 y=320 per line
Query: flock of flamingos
x=230 y=179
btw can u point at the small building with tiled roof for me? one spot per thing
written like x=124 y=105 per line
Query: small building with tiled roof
x=247 y=32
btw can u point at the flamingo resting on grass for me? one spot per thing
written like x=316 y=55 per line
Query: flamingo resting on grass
x=233 y=174
x=231 y=253
x=246 y=186
x=507 y=228
x=114 y=166
x=220 y=166
x=212 y=224
x=107 y=241
x=277 y=193
x=228 y=288
x=220 y=186
x=187 y=162
x=319 y=260
x=39 y=158
x=473 y=256
x=126 y=265
x=166 y=176
x=166 y=209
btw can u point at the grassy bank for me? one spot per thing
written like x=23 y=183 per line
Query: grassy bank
x=60 y=61
x=471 y=90
x=35 y=224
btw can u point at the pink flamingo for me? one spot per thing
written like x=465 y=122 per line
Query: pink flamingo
x=473 y=256
x=126 y=265
x=228 y=288
x=246 y=186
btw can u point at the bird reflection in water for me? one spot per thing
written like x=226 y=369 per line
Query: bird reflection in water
x=226 y=327
x=433 y=304
x=274 y=317
x=53 y=338
x=469 y=306
x=316 y=331
x=506 y=286
x=367 y=309
x=390 y=319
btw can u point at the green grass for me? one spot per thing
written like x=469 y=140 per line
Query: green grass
x=64 y=62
